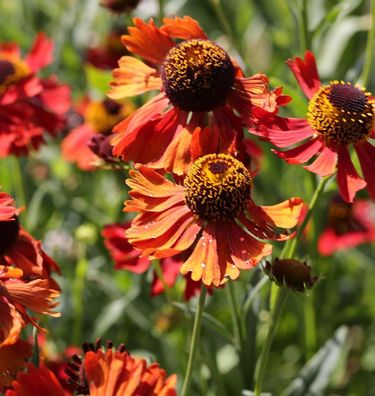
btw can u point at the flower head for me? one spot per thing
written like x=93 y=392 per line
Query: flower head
x=339 y=116
x=348 y=225
x=88 y=144
x=115 y=372
x=29 y=105
x=212 y=216
x=204 y=100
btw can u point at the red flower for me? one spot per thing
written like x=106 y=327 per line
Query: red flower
x=117 y=373
x=349 y=225
x=127 y=258
x=339 y=115
x=212 y=214
x=29 y=105
x=35 y=382
x=19 y=248
x=86 y=144
x=175 y=120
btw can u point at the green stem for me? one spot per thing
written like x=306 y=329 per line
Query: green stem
x=369 y=48
x=237 y=329
x=161 y=10
x=17 y=181
x=279 y=295
x=35 y=357
x=78 y=287
x=304 y=28
x=160 y=275
x=310 y=325
x=263 y=359
x=194 y=341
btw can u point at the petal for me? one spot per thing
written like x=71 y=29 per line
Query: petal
x=366 y=156
x=133 y=77
x=146 y=40
x=302 y=153
x=170 y=268
x=348 y=179
x=306 y=73
x=185 y=28
x=284 y=132
x=325 y=163
x=11 y=322
x=41 y=53
x=74 y=147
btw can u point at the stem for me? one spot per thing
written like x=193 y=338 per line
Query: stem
x=35 y=357
x=279 y=296
x=194 y=341
x=369 y=48
x=263 y=359
x=17 y=181
x=161 y=10
x=310 y=327
x=319 y=189
x=304 y=28
x=237 y=329
x=160 y=275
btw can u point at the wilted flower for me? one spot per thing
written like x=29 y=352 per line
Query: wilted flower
x=339 y=116
x=120 y=6
x=199 y=86
x=293 y=273
x=349 y=225
x=29 y=105
x=212 y=214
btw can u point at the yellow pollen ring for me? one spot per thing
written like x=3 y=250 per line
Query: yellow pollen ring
x=340 y=113
x=12 y=69
x=217 y=187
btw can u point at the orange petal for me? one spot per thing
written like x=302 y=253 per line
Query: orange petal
x=286 y=213
x=11 y=322
x=133 y=78
x=146 y=40
x=185 y=28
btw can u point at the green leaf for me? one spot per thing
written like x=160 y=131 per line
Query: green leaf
x=315 y=375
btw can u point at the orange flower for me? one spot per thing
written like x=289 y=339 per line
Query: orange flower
x=212 y=212
x=199 y=86
x=12 y=359
x=117 y=373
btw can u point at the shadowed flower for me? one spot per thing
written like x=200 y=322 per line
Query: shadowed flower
x=212 y=214
x=295 y=274
x=120 y=6
x=106 y=371
x=199 y=86
x=29 y=105
x=36 y=381
x=19 y=248
x=349 y=225
x=88 y=144
x=13 y=359
x=127 y=258
x=339 y=116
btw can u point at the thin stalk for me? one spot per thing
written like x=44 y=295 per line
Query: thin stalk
x=304 y=28
x=279 y=295
x=159 y=272
x=35 y=357
x=194 y=341
x=161 y=10
x=17 y=181
x=237 y=326
x=263 y=359
x=369 y=48
x=78 y=287
x=310 y=325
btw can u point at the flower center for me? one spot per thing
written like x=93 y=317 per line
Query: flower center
x=103 y=116
x=11 y=71
x=197 y=75
x=217 y=187
x=341 y=113
x=9 y=232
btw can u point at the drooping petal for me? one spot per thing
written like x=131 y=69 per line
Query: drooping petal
x=148 y=41
x=185 y=28
x=366 y=156
x=348 y=179
x=284 y=132
x=133 y=77
x=325 y=163
x=41 y=53
x=306 y=73
x=11 y=322
x=302 y=153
